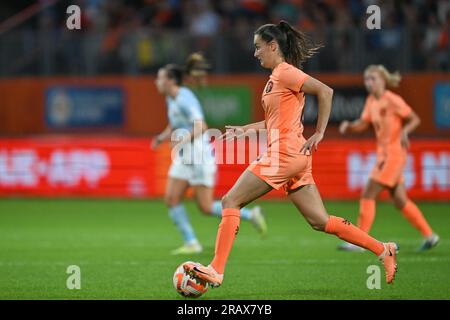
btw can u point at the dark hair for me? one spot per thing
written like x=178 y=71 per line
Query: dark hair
x=196 y=65
x=175 y=72
x=295 y=46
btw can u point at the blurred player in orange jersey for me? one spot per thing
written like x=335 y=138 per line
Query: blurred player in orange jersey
x=393 y=120
x=287 y=163
x=184 y=113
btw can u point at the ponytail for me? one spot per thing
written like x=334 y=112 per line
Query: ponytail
x=196 y=66
x=295 y=45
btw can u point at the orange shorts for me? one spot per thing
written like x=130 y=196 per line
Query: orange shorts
x=389 y=171
x=282 y=170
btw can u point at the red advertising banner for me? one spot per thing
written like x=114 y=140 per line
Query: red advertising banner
x=126 y=167
x=65 y=166
x=341 y=168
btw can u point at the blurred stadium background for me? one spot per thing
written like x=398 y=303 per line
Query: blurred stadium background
x=78 y=107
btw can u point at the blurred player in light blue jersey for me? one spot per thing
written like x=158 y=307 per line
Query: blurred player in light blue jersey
x=185 y=112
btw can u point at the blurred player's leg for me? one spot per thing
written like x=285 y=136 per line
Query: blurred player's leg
x=176 y=188
x=367 y=205
x=366 y=212
x=246 y=189
x=308 y=201
x=415 y=217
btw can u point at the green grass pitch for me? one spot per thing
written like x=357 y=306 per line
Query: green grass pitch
x=122 y=248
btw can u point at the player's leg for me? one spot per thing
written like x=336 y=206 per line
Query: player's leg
x=247 y=188
x=415 y=217
x=175 y=191
x=366 y=211
x=308 y=201
x=367 y=205
x=385 y=174
x=207 y=205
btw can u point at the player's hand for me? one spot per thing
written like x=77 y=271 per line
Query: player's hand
x=343 y=127
x=404 y=139
x=232 y=132
x=311 y=143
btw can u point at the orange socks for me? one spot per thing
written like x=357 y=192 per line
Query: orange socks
x=366 y=214
x=228 y=230
x=410 y=212
x=416 y=218
x=348 y=232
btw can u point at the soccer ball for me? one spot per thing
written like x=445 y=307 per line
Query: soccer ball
x=187 y=285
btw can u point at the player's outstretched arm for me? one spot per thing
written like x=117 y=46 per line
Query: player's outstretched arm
x=324 y=97
x=356 y=126
x=250 y=126
x=237 y=131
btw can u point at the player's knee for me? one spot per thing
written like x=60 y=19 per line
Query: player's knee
x=368 y=194
x=171 y=201
x=400 y=202
x=205 y=208
x=229 y=202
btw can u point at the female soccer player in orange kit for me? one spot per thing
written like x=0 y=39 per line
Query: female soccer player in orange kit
x=288 y=161
x=393 y=120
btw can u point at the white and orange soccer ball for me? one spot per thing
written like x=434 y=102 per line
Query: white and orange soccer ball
x=187 y=285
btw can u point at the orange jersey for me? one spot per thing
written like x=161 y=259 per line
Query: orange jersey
x=283 y=166
x=283 y=104
x=386 y=115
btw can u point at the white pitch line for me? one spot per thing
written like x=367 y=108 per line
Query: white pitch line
x=255 y=262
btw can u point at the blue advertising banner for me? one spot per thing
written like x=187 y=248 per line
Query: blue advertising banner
x=441 y=95
x=84 y=107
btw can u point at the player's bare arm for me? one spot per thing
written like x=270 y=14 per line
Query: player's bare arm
x=410 y=124
x=356 y=126
x=237 y=131
x=324 y=96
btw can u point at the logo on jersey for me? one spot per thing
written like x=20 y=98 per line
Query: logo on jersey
x=269 y=86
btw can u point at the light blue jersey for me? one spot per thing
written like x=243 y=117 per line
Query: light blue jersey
x=183 y=111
